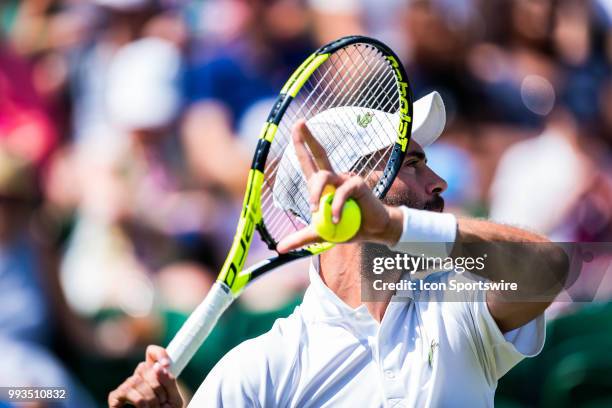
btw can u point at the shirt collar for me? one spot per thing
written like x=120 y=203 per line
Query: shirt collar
x=323 y=305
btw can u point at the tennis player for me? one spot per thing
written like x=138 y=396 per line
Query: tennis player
x=336 y=350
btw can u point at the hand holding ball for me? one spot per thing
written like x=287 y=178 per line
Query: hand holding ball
x=347 y=226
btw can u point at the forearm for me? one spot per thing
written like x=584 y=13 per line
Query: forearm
x=530 y=260
x=537 y=266
x=512 y=254
x=472 y=230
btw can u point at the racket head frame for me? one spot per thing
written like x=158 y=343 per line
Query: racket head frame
x=232 y=274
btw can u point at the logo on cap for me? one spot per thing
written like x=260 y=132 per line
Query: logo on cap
x=365 y=120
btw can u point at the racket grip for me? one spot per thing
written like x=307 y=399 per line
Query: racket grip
x=198 y=326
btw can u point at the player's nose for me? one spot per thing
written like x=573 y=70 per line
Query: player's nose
x=436 y=184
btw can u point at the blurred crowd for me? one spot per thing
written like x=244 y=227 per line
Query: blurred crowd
x=127 y=126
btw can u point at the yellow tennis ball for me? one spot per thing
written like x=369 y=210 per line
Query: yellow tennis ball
x=347 y=226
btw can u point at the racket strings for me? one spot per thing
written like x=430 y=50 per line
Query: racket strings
x=389 y=89
x=339 y=100
x=295 y=189
x=357 y=96
x=390 y=78
x=349 y=102
x=297 y=113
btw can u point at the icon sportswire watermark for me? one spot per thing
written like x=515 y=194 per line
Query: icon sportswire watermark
x=512 y=270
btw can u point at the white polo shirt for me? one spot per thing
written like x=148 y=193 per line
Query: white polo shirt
x=327 y=354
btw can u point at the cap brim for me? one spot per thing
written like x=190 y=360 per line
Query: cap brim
x=429 y=119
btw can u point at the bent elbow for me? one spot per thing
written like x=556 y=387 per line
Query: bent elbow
x=559 y=264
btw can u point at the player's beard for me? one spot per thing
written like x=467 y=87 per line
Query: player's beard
x=369 y=251
x=410 y=199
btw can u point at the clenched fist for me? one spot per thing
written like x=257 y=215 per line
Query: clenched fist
x=151 y=385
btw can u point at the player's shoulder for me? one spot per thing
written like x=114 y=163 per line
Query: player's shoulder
x=272 y=346
x=269 y=349
x=256 y=369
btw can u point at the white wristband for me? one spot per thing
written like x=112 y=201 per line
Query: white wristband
x=427 y=233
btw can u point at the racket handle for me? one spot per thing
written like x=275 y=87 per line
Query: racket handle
x=198 y=326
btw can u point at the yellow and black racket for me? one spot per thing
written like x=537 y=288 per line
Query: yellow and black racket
x=357 y=102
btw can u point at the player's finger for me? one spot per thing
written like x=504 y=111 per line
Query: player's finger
x=346 y=190
x=146 y=391
x=302 y=153
x=317 y=184
x=150 y=377
x=127 y=393
x=168 y=381
x=157 y=354
x=298 y=239
x=318 y=152
x=117 y=398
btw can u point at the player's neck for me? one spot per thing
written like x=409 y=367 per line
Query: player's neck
x=340 y=270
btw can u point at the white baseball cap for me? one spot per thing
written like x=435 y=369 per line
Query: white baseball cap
x=335 y=129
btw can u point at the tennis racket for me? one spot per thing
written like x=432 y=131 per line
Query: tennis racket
x=357 y=102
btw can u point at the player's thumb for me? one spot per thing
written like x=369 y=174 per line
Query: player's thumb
x=157 y=354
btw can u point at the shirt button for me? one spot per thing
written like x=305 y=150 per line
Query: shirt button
x=389 y=374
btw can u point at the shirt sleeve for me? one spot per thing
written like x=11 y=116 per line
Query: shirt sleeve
x=229 y=384
x=252 y=374
x=501 y=351
x=505 y=350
